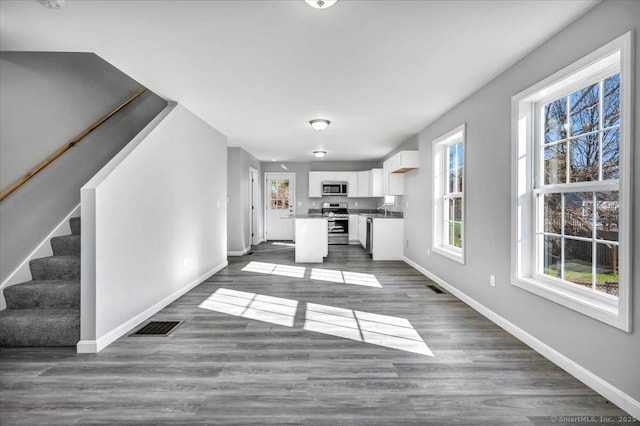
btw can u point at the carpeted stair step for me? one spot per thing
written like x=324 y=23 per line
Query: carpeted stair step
x=55 y=294
x=56 y=268
x=74 y=222
x=66 y=245
x=39 y=327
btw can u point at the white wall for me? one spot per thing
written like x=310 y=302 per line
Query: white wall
x=610 y=355
x=238 y=233
x=46 y=99
x=158 y=228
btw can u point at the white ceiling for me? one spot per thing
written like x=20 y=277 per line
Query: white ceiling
x=258 y=71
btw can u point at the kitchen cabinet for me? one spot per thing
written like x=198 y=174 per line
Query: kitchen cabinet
x=403 y=161
x=388 y=235
x=353 y=188
x=375 y=183
x=312 y=243
x=360 y=184
x=353 y=227
x=393 y=171
x=392 y=183
x=315 y=184
x=363 y=183
x=362 y=231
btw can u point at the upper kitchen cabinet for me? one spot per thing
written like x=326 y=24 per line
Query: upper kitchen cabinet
x=315 y=184
x=393 y=169
x=352 y=181
x=392 y=183
x=317 y=178
x=403 y=161
x=375 y=183
x=363 y=183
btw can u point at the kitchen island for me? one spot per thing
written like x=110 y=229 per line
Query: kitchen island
x=312 y=243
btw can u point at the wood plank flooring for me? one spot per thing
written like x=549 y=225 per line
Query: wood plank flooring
x=218 y=368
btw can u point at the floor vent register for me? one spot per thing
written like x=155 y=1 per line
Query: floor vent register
x=157 y=328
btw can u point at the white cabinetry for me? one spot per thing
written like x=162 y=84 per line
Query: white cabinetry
x=367 y=183
x=392 y=183
x=353 y=187
x=362 y=231
x=403 y=161
x=353 y=227
x=375 y=183
x=388 y=234
x=315 y=184
x=363 y=183
x=312 y=244
x=394 y=169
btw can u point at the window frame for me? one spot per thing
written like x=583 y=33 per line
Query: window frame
x=528 y=170
x=440 y=149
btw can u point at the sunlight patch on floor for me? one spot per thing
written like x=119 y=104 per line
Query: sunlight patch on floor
x=343 y=277
x=259 y=307
x=381 y=330
x=275 y=269
x=278 y=243
x=356 y=278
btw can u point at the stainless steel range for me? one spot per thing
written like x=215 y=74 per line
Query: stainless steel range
x=338 y=222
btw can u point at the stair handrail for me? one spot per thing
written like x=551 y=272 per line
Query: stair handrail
x=50 y=159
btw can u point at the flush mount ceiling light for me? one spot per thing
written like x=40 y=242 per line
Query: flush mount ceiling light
x=319 y=154
x=319 y=124
x=54 y=4
x=320 y=4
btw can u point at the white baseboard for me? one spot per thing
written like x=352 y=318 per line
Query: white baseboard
x=238 y=252
x=87 y=347
x=95 y=346
x=604 y=388
x=22 y=272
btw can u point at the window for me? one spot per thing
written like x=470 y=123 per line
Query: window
x=448 y=192
x=571 y=186
x=279 y=194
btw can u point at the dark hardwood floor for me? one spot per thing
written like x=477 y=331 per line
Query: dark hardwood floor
x=229 y=368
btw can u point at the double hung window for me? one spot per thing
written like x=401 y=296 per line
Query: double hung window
x=448 y=190
x=571 y=210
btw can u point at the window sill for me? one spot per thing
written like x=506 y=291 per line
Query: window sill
x=455 y=255
x=600 y=308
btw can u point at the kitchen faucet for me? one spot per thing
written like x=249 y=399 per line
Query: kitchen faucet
x=383 y=207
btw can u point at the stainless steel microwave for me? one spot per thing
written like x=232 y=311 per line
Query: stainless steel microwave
x=334 y=188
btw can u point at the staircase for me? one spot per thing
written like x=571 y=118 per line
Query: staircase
x=46 y=310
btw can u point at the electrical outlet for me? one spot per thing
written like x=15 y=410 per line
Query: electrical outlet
x=218 y=204
x=356 y=204
x=407 y=243
x=313 y=203
x=428 y=252
x=299 y=203
x=407 y=203
x=492 y=280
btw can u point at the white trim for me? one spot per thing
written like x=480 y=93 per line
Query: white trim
x=457 y=256
x=95 y=346
x=239 y=252
x=601 y=386
x=254 y=201
x=266 y=192
x=524 y=189
x=22 y=273
x=440 y=182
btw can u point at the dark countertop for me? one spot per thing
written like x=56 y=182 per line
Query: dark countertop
x=309 y=216
x=369 y=212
